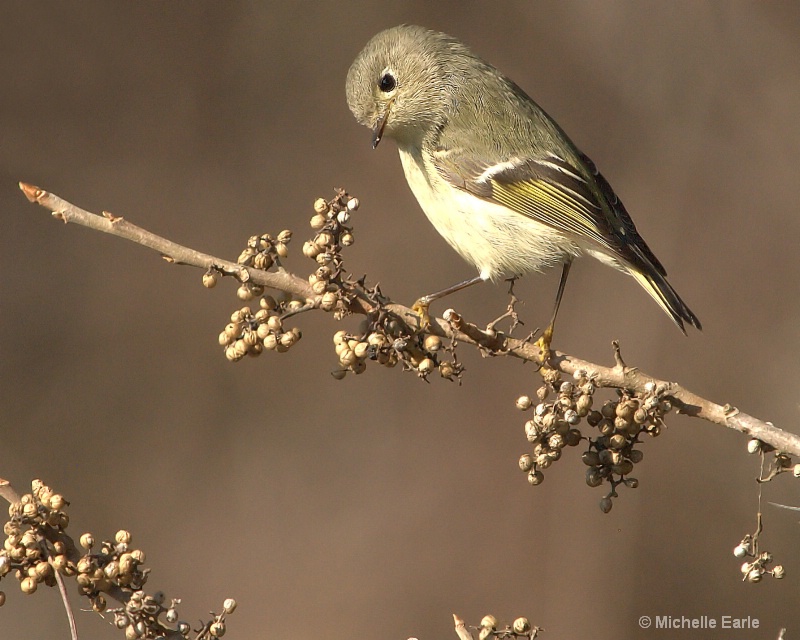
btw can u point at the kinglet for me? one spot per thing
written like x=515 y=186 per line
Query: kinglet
x=496 y=176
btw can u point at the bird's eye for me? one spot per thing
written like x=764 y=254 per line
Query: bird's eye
x=387 y=83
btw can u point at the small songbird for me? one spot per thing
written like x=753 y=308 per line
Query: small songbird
x=495 y=175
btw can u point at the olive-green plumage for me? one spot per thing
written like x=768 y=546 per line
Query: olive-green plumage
x=496 y=176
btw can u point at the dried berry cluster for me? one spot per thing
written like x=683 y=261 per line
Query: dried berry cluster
x=37 y=546
x=331 y=221
x=251 y=332
x=520 y=628
x=619 y=423
x=32 y=549
x=389 y=344
x=262 y=252
x=383 y=337
x=758 y=564
x=112 y=563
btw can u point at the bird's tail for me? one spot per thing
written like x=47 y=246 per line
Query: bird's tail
x=667 y=298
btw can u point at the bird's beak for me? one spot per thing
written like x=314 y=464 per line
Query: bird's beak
x=377 y=130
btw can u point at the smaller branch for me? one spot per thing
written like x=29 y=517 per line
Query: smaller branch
x=511 y=311
x=172 y=252
x=618 y=355
x=8 y=492
x=62 y=589
x=461 y=629
x=454 y=326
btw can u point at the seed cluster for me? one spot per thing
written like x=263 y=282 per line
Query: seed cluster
x=250 y=332
x=386 y=343
x=113 y=562
x=37 y=547
x=142 y=614
x=384 y=338
x=38 y=517
x=520 y=628
x=758 y=564
x=262 y=252
x=331 y=222
x=619 y=423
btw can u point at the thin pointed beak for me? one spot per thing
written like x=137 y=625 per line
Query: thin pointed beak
x=377 y=131
x=380 y=125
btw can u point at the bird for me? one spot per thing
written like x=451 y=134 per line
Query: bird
x=496 y=176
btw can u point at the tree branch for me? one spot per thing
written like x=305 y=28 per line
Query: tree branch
x=452 y=326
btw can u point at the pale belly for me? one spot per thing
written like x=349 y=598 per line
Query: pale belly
x=497 y=241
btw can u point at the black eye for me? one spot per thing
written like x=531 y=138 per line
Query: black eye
x=387 y=83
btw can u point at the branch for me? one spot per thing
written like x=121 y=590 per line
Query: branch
x=452 y=326
x=172 y=252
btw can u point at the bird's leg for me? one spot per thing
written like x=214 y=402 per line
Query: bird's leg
x=421 y=305
x=547 y=337
x=511 y=311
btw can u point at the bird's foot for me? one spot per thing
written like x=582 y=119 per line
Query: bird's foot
x=543 y=343
x=420 y=307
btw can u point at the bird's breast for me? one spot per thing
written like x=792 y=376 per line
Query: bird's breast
x=496 y=240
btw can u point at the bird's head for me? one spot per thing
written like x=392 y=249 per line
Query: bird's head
x=398 y=85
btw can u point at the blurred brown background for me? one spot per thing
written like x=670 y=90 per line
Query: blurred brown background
x=379 y=505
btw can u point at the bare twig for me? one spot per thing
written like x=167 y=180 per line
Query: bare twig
x=62 y=589
x=453 y=326
x=8 y=492
x=461 y=629
x=170 y=251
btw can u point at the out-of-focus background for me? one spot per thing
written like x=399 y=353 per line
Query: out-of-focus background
x=380 y=505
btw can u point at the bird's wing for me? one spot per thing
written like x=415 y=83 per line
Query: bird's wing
x=572 y=197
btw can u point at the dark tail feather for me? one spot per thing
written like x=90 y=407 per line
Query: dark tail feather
x=667 y=298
